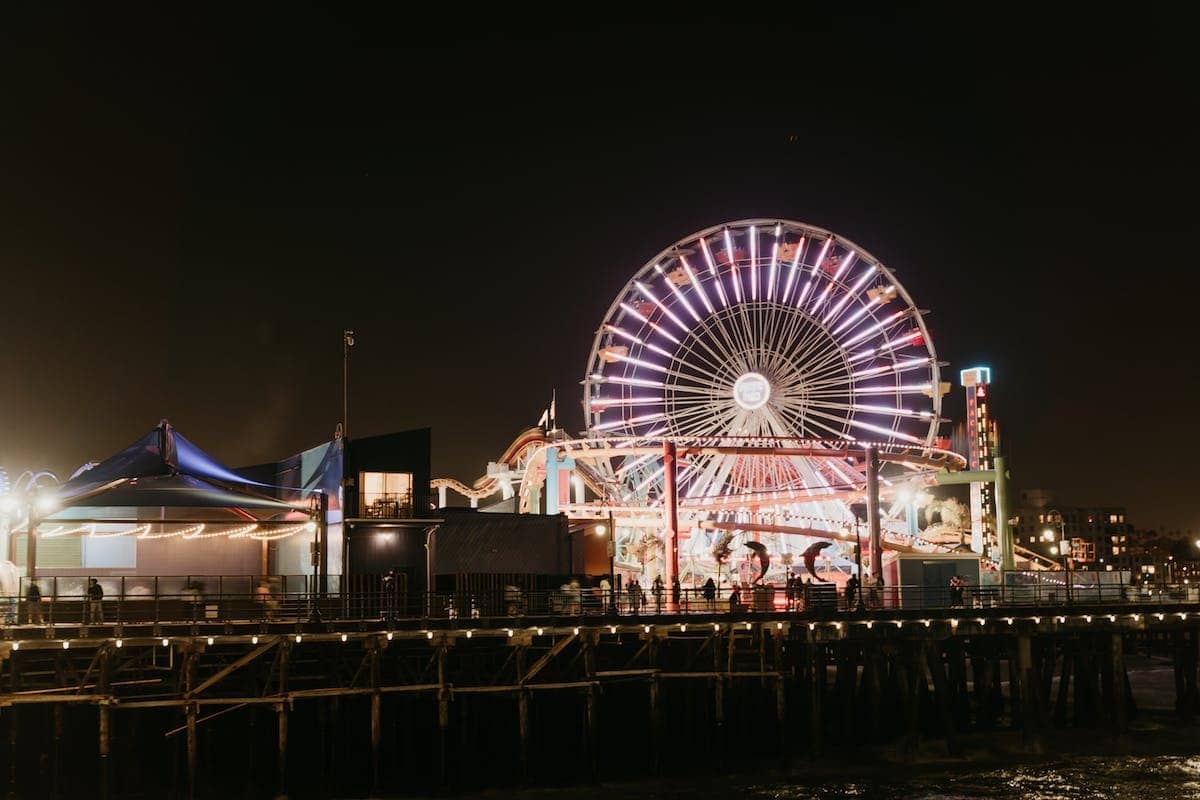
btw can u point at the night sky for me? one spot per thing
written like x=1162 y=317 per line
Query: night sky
x=192 y=209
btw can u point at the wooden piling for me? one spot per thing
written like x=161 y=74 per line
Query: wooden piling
x=1116 y=669
x=941 y=693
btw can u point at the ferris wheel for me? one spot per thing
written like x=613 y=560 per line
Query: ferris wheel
x=755 y=331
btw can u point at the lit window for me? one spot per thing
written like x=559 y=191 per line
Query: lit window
x=385 y=494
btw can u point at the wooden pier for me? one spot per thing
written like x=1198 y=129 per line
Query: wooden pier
x=301 y=709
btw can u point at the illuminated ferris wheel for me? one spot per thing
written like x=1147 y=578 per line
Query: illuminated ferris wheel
x=761 y=330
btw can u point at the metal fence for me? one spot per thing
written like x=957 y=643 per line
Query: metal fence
x=233 y=599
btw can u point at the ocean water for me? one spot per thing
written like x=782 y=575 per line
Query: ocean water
x=1099 y=777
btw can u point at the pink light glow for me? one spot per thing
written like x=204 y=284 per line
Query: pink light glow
x=792 y=273
x=870 y=329
x=712 y=269
x=862 y=280
x=668 y=312
x=687 y=268
x=774 y=267
x=753 y=262
x=630 y=337
x=605 y=426
x=737 y=283
x=678 y=295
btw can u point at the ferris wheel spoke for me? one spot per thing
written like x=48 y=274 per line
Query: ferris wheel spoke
x=848 y=295
x=712 y=271
x=843 y=265
x=696 y=284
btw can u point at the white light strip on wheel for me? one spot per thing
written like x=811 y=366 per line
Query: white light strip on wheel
x=678 y=295
x=737 y=282
x=885 y=431
x=712 y=269
x=638 y=362
x=804 y=293
x=912 y=388
x=633 y=312
x=605 y=402
x=792 y=273
x=687 y=268
x=899 y=366
x=644 y=289
x=774 y=268
x=862 y=280
x=607 y=426
x=895 y=412
x=816 y=267
x=630 y=337
x=753 y=262
x=870 y=329
x=846 y=261
x=596 y=376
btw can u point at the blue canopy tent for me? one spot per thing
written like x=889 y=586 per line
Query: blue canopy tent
x=159 y=483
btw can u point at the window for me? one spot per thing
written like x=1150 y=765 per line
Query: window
x=385 y=494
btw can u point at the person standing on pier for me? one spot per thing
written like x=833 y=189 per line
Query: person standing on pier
x=676 y=592
x=95 y=606
x=710 y=593
x=657 y=589
x=33 y=599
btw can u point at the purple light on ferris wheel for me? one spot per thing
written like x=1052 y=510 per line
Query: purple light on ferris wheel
x=862 y=280
x=644 y=289
x=712 y=270
x=885 y=431
x=794 y=270
x=678 y=295
x=816 y=268
x=633 y=312
x=870 y=329
x=899 y=366
x=753 y=263
x=737 y=282
x=687 y=269
x=636 y=340
x=833 y=281
x=774 y=267
x=607 y=426
x=629 y=381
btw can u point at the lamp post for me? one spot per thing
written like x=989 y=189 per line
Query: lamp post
x=1054 y=517
x=347 y=343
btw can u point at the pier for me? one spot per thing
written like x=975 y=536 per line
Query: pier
x=325 y=702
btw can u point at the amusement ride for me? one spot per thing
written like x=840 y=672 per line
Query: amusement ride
x=747 y=390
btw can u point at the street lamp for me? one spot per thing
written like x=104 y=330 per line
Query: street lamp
x=347 y=343
x=1055 y=517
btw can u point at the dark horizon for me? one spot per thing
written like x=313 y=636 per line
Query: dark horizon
x=192 y=210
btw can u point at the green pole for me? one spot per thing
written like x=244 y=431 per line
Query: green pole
x=1003 y=532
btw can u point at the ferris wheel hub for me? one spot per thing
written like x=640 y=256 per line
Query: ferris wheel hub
x=751 y=391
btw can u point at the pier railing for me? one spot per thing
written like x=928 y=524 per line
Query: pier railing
x=64 y=601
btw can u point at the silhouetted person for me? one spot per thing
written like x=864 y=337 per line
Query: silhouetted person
x=33 y=598
x=710 y=593
x=735 y=601
x=676 y=592
x=95 y=604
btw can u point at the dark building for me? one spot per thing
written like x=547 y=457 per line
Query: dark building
x=1098 y=537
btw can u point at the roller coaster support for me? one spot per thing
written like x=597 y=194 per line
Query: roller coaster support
x=671 y=512
x=873 y=526
x=999 y=477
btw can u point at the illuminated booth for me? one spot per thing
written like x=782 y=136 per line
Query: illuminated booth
x=159 y=507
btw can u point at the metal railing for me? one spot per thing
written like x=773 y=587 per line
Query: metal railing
x=250 y=599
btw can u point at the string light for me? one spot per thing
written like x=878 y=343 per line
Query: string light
x=138 y=531
x=66 y=531
x=428 y=634
x=201 y=533
x=284 y=532
x=66 y=644
x=242 y=532
x=146 y=534
x=468 y=634
x=120 y=643
x=299 y=638
x=646 y=628
x=389 y=636
x=166 y=642
x=210 y=640
x=253 y=640
x=344 y=637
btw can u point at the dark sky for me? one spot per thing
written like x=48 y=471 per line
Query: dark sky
x=191 y=210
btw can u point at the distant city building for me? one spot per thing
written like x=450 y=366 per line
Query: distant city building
x=1099 y=537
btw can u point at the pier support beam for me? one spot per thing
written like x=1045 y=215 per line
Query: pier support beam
x=1120 y=717
x=376 y=716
